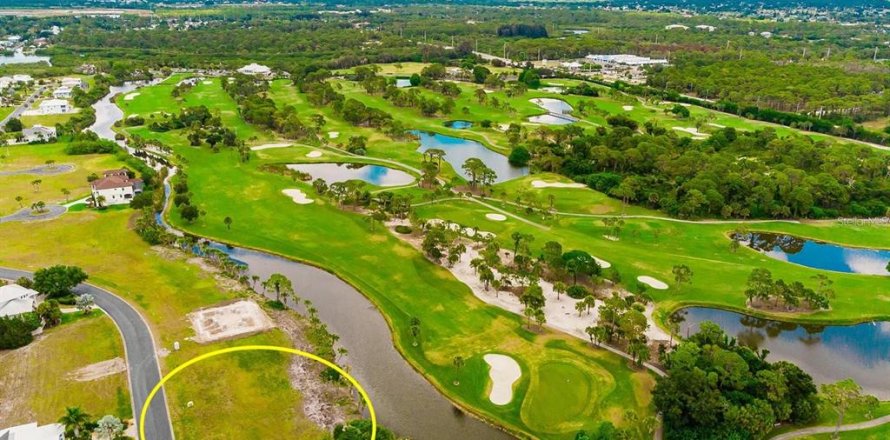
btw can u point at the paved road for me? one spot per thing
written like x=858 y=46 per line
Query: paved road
x=26 y=214
x=24 y=106
x=829 y=429
x=142 y=360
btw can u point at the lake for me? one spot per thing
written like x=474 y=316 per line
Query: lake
x=403 y=82
x=829 y=353
x=819 y=255
x=557 y=112
x=341 y=172
x=19 y=57
x=458 y=150
x=459 y=125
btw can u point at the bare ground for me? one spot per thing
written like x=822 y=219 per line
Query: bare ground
x=99 y=370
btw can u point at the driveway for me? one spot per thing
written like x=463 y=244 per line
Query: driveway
x=142 y=360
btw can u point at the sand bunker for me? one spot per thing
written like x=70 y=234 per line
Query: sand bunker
x=470 y=232
x=602 y=263
x=504 y=373
x=333 y=134
x=267 y=146
x=627 y=108
x=496 y=217
x=130 y=96
x=208 y=82
x=236 y=319
x=543 y=184
x=99 y=370
x=652 y=282
x=716 y=125
x=314 y=153
x=298 y=196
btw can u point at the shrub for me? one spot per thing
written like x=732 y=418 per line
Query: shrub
x=577 y=292
x=519 y=157
x=275 y=305
x=403 y=229
x=14 y=333
x=57 y=281
x=90 y=147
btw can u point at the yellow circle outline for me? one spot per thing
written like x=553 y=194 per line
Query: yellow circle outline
x=211 y=354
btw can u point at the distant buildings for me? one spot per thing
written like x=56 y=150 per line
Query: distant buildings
x=706 y=27
x=73 y=83
x=255 y=69
x=63 y=92
x=16 y=300
x=116 y=187
x=625 y=60
x=624 y=67
x=54 y=107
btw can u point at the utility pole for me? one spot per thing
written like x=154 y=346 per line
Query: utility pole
x=452 y=41
x=505 y=50
x=875 y=58
x=477 y=45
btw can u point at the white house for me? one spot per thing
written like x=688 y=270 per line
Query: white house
x=73 y=82
x=54 y=107
x=63 y=92
x=38 y=133
x=116 y=187
x=15 y=300
x=5 y=82
x=22 y=78
x=256 y=70
x=31 y=431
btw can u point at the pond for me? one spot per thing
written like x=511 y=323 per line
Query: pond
x=829 y=353
x=403 y=399
x=458 y=150
x=819 y=255
x=558 y=112
x=341 y=172
x=19 y=57
x=459 y=125
x=403 y=82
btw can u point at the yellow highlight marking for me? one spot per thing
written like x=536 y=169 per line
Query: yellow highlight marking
x=211 y=354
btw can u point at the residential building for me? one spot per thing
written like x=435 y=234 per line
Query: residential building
x=256 y=70
x=116 y=187
x=63 y=92
x=54 y=107
x=15 y=300
x=38 y=133
x=31 y=431
x=73 y=82
x=21 y=78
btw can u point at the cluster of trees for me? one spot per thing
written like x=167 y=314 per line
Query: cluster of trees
x=731 y=174
x=79 y=425
x=204 y=127
x=622 y=322
x=257 y=108
x=523 y=30
x=763 y=288
x=716 y=388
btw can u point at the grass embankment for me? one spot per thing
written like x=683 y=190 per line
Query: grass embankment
x=404 y=284
x=231 y=394
x=34 y=380
x=21 y=157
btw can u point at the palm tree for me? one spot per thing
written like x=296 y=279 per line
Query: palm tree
x=559 y=287
x=66 y=193
x=281 y=284
x=36 y=184
x=458 y=362
x=74 y=420
x=228 y=222
x=415 y=330
x=20 y=199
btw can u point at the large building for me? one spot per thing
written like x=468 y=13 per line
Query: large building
x=255 y=69
x=15 y=300
x=626 y=60
x=31 y=431
x=38 y=133
x=115 y=188
x=54 y=107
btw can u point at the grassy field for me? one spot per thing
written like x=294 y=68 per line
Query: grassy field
x=45 y=120
x=41 y=394
x=165 y=289
x=454 y=322
x=20 y=157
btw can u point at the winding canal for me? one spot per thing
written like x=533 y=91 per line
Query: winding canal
x=403 y=399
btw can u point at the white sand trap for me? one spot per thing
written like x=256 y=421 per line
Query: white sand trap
x=716 y=125
x=504 y=373
x=602 y=263
x=627 y=108
x=298 y=196
x=652 y=282
x=208 y=82
x=470 y=232
x=693 y=131
x=314 y=153
x=236 y=319
x=543 y=184
x=98 y=370
x=268 y=146
x=333 y=134
x=130 y=96
x=496 y=217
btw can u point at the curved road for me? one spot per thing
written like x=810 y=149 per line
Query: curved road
x=829 y=429
x=142 y=360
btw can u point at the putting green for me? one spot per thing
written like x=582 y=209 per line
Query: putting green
x=561 y=393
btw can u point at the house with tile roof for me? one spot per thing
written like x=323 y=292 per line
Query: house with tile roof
x=115 y=188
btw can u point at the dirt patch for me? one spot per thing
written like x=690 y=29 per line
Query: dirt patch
x=229 y=321
x=324 y=403
x=98 y=370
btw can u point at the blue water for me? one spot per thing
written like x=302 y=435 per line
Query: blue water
x=458 y=150
x=403 y=82
x=558 y=112
x=459 y=125
x=341 y=172
x=819 y=255
x=20 y=58
x=828 y=353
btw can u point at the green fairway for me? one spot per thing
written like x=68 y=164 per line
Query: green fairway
x=454 y=321
x=560 y=393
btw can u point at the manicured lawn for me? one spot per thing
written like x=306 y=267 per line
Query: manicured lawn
x=34 y=379
x=560 y=393
x=165 y=290
x=400 y=281
x=45 y=120
x=50 y=189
